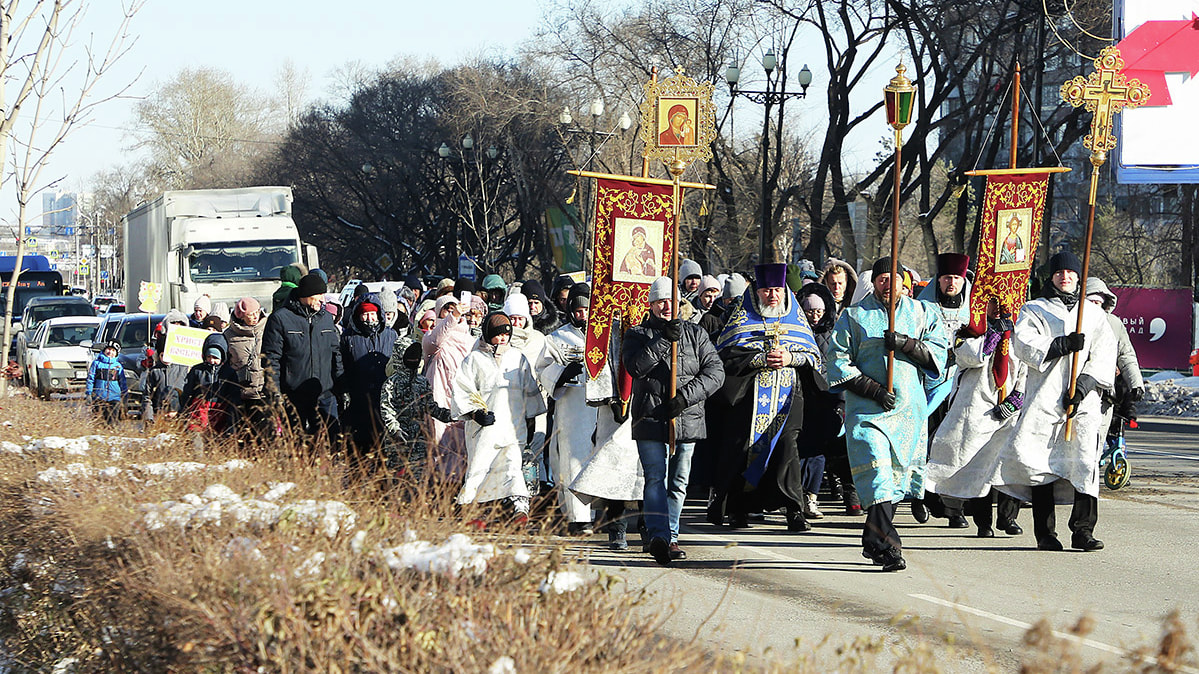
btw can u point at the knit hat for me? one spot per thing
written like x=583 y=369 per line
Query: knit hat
x=770 y=275
x=310 y=286
x=708 y=283
x=321 y=273
x=518 y=305
x=882 y=266
x=689 y=268
x=734 y=286
x=661 y=289
x=203 y=302
x=952 y=264
x=412 y=281
x=532 y=289
x=463 y=285
x=221 y=310
x=580 y=296
x=388 y=303
x=214 y=351
x=477 y=304
x=443 y=302
x=360 y=290
x=445 y=283
x=365 y=307
x=429 y=314
x=496 y=323
x=1065 y=260
x=494 y=282
x=813 y=301
x=246 y=306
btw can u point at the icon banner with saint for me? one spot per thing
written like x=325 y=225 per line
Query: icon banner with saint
x=634 y=244
x=1013 y=207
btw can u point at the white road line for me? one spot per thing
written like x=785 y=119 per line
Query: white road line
x=1137 y=450
x=1098 y=645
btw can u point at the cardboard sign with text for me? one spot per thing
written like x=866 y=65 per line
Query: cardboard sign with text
x=184 y=346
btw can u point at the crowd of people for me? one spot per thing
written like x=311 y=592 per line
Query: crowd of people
x=757 y=393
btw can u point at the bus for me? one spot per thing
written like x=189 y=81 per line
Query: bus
x=37 y=279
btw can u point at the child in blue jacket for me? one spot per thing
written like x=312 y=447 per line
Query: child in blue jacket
x=106 y=385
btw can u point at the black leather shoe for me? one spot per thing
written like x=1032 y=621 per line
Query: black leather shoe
x=1085 y=542
x=892 y=560
x=738 y=521
x=713 y=516
x=1011 y=528
x=676 y=552
x=958 y=522
x=1051 y=544
x=660 y=549
x=920 y=511
x=986 y=532
x=797 y=522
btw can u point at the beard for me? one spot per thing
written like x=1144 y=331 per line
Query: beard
x=777 y=311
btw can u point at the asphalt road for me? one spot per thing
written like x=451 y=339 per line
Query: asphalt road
x=765 y=592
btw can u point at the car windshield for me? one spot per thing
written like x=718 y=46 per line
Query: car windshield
x=241 y=260
x=134 y=332
x=43 y=313
x=70 y=335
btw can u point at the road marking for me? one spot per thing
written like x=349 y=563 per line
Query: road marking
x=1083 y=641
x=1168 y=455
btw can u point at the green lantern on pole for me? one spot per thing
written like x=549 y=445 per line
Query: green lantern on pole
x=900 y=96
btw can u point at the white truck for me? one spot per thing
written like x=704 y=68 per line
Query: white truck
x=227 y=244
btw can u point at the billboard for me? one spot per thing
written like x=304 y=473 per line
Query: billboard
x=1159 y=41
x=1159 y=324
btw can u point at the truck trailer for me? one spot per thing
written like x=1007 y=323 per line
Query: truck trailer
x=227 y=244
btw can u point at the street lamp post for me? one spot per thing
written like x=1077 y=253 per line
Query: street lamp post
x=490 y=155
x=596 y=110
x=775 y=93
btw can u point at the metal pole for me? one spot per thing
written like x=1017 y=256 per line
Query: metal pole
x=765 y=238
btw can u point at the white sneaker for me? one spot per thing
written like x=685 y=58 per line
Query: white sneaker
x=811 y=511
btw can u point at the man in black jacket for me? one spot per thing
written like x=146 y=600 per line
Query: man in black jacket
x=647 y=349
x=300 y=345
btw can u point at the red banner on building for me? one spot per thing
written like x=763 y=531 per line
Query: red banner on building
x=1159 y=323
x=634 y=242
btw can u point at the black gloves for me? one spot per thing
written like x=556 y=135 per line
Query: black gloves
x=619 y=411
x=669 y=409
x=1002 y=324
x=1082 y=387
x=569 y=372
x=914 y=349
x=868 y=388
x=1136 y=394
x=1065 y=345
x=483 y=417
x=673 y=330
x=440 y=413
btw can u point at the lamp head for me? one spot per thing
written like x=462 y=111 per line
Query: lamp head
x=564 y=118
x=769 y=62
x=900 y=97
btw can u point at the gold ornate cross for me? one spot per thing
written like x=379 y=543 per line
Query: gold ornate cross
x=1104 y=92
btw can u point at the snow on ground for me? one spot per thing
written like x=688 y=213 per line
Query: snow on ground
x=221 y=505
x=166 y=470
x=1170 y=394
x=82 y=446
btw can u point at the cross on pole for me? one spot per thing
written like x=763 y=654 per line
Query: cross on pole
x=1104 y=93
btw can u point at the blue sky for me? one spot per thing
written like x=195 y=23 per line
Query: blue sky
x=253 y=39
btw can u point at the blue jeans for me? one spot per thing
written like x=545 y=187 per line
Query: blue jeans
x=665 y=486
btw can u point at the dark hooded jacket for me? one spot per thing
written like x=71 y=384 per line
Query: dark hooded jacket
x=365 y=350
x=851 y=283
x=207 y=383
x=823 y=330
x=162 y=385
x=302 y=352
x=546 y=321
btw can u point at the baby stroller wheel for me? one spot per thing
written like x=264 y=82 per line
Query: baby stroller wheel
x=1117 y=474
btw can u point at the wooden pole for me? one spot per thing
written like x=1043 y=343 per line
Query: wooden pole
x=1082 y=293
x=896 y=289
x=676 y=168
x=1004 y=347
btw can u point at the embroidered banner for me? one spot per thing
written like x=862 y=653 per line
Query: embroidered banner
x=1013 y=207
x=634 y=242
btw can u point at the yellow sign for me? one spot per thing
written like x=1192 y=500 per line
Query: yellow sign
x=148 y=294
x=184 y=345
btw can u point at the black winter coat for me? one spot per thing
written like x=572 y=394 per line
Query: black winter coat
x=161 y=387
x=364 y=353
x=302 y=352
x=647 y=358
x=211 y=383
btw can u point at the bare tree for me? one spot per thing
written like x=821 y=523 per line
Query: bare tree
x=58 y=89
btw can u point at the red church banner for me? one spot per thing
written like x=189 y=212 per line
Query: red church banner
x=634 y=242
x=1013 y=208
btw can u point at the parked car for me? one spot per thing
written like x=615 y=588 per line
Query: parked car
x=58 y=356
x=134 y=332
x=41 y=309
x=100 y=302
x=114 y=308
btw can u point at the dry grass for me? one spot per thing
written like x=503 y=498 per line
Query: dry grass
x=83 y=576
